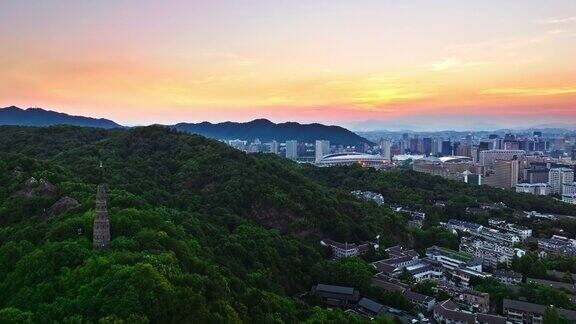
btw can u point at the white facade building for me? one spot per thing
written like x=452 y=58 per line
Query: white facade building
x=540 y=189
x=322 y=149
x=386 y=147
x=557 y=177
x=569 y=188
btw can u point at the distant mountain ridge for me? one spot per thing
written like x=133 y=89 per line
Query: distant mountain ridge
x=40 y=117
x=266 y=131
x=262 y=129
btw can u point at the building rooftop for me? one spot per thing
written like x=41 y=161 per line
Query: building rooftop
x=489 y=318
x=507 y=273
x=417 y=296
x=554 y=284
x=536 y=308
x=370 y=305
x=461 y=256
x=335 y=289
x=449 y=310
x=344 y=246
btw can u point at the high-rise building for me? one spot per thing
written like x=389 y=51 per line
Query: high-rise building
x=292 y=150
x=415 y=145
x=427 y=145
x=274 y=147
x=386 y=147
x=455 y=147
x=487 y=158
x=436 y=146
x=322 y=149
x=504 y=174
x=557 y=177
x=101 y=228
x=446 y=148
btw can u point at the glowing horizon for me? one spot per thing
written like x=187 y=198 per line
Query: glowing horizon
x=336 y=62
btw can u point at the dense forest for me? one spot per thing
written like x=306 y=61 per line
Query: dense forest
x=200 y=232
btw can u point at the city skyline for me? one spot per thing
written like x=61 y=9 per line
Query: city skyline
x=364 y=66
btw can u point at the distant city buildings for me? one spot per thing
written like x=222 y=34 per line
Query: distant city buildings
x=533 y=163
x=274 y=147
x=504 y=174
x=489 y=157
x=292 y=150
x=558 y=177
x=322 y=149
x=540 y=189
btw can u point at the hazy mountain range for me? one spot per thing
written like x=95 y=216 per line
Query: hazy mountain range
x=39 y=117
x=262 y=129
x=266 y=130
x=453 y=123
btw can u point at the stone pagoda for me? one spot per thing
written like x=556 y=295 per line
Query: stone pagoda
x=101 y=235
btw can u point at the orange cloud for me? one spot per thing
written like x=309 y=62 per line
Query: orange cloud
x=523 y=91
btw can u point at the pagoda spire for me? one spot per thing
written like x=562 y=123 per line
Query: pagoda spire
x=101 y=228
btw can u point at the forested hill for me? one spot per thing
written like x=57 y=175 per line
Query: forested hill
x=266 y=131
x=39 y=117
x=200 y=232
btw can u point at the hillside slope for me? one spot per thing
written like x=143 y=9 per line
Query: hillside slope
x=200 y=231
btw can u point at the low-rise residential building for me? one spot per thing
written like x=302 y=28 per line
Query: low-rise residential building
x=491 y=253
x=460 y=267
x=557 y=245
x=519 y=312
x=570 y=288
x=398 y=259
x=496 y=236
x=507 y=277
x=463 y=226
x=479 y=301
x=535 y=214
x=423 y=302
x=521 y=231
x=449 y=313
x=346 y=250
x=369 y=308
x=336 y=295
x=426 y=269
x=467 y=299
x=369 y=196
x=462 y=276
x=452 y=259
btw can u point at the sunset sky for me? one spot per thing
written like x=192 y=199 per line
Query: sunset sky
x=362 y=64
